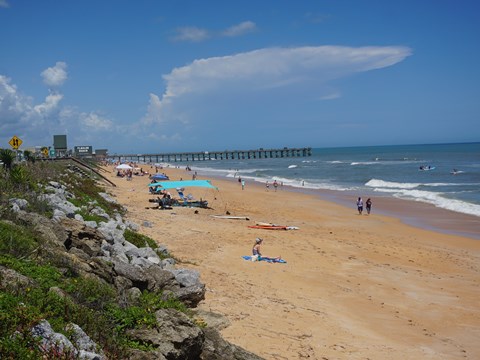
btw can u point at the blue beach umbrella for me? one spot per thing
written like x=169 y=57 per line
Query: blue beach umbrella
x=159 y=177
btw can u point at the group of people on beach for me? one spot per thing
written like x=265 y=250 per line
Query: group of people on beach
x=368 y=205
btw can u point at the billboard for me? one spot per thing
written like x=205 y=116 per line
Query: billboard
x=83 y=150
x=60 y=142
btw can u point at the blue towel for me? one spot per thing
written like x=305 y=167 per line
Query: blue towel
x=270 y=260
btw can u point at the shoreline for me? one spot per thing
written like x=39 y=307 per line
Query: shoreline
x=414 y=213
x=353 y=286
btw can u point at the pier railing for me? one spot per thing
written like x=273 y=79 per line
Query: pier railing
x=215 y=155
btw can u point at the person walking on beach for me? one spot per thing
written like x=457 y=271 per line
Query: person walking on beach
x=267 y=186
x=275 y=185
x=360 y=205
x=368 y=205
x=243 y=184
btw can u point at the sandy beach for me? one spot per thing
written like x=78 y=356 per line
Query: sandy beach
x=354 y=286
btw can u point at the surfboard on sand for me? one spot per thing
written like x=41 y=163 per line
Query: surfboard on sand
x=230 y=217
x=269 y=226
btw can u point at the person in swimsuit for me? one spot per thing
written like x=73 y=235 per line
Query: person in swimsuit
x=257 y=253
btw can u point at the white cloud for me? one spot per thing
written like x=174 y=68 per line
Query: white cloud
x=4 y=4
x=36 y=123
x=331 y=96
x=50 y=104
x=13 y=106
x=153 y=111
x=271 y=68
x=191 y=34
x=55 y=76
x=240 y=29
x=94 y=121
x=196 y=34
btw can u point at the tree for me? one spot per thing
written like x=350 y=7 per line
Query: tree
x=28 y=155
x=7 y=156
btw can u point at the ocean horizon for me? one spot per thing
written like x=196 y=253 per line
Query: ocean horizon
x=446 y=176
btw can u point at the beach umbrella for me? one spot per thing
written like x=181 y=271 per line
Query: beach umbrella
x=124 y=167
x=160 y=177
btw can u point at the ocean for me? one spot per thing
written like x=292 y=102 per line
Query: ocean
x=371 y=171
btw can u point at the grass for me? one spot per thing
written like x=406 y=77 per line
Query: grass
x=89 y=302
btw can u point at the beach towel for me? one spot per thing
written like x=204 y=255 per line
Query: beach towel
x=267 y=259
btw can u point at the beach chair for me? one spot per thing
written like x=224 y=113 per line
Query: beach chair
x=184 y=198
x=189 y=200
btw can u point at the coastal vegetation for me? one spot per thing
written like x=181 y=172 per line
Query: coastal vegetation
x=89 y=303
x=49 y=274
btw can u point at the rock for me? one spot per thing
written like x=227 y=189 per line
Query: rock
x=186 y=277
x=145 y=355
x=57 y=201
x=162 y=251
x=110 y=231
x=134 y=273
x=108 y=198
x=50 y=340
x=18 y=204
x=82 y=237
x=216 y=348
x=159 y=279
x=144 y=252
x=175 y=335
x=12 y=280
x=132 y=226
x=83 y=342
x=211 y=319
x=168 y=264
x=100 y=212
x=190 y=295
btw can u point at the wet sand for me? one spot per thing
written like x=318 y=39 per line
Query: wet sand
x=353 y=287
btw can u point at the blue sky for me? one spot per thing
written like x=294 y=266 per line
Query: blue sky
x=167 y=76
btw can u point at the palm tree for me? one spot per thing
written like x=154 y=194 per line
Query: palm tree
x=7 y=156
x=28 y=155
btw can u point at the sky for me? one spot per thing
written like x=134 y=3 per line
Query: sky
x=145 y=76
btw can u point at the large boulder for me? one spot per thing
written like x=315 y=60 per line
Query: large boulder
x=216 y=348
x=175 y=336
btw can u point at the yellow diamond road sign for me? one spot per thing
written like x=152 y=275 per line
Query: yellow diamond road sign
x=45 y=151
x=15 y=142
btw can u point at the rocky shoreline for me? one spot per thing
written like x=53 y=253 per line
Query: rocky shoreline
x=100 y=251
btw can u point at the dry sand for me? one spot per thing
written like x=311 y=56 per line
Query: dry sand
x=353 y=287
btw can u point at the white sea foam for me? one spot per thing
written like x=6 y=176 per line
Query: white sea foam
x=292 y=166
x=440 y=201
x=364 y=163
x=375 y=183
x=434 y=198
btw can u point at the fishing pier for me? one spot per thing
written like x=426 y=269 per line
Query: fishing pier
x=214 y=155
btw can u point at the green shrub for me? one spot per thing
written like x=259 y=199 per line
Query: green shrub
x=45 y=276
x=139 y=240
x=15 y=240
x=90 y=292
